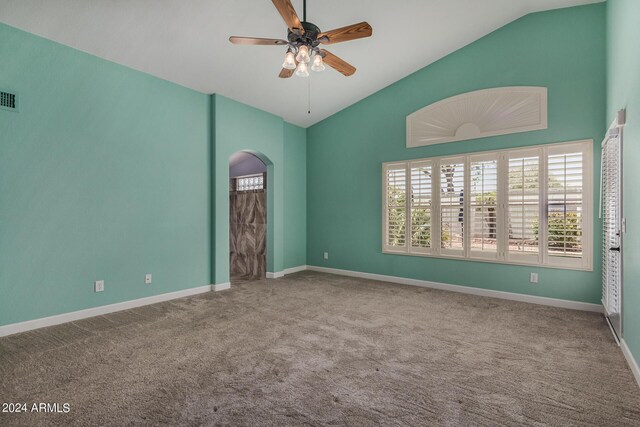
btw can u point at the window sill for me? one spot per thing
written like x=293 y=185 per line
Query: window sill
x=492 y=261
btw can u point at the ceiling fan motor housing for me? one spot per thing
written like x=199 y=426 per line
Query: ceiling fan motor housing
x=309 y=38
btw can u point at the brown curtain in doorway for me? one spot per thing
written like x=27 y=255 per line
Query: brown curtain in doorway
x=248 y=233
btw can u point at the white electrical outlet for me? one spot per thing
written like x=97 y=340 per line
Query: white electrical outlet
x=147 y=279
x=326 y=255
x=534 y=278
x=98 y=285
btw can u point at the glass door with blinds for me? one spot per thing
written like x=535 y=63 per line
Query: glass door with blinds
x=611 y=202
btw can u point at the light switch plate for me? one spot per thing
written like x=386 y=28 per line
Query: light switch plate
x=147 y=279
x=326 y=255
x=534 y=278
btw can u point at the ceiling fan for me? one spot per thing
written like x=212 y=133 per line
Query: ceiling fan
x=303 y=41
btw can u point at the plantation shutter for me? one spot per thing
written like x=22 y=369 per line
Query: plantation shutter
x=395 y=207
x=421 y=207
x=529 y=206
x=565 y=204
x=611 y=239
x=483 y=206
x=452 y=218
x=523 y=208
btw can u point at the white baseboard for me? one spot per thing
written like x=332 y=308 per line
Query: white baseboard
x=279 y=274
x=15 y=328
x=294 y=269
x=276 y=275
x=554 y=302
x=220 y=287
x=630 y=360
x=29 y=325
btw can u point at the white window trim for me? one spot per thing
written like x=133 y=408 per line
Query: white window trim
x=542 y=259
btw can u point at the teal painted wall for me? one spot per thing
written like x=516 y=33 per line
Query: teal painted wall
x=623 y=91
x=240 y=127
x=563 y=50
x=295 y=196
x=103 y=175
x=108 y=173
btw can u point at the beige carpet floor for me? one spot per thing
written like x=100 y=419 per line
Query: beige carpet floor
x=318 y=349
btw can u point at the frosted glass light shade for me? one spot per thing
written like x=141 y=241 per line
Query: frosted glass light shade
x=318 y=64
x=302 y=70
x=289 y=61
x=303 y=54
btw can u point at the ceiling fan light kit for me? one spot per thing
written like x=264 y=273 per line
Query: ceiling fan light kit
x=318 y=63
x=289 y=60
x=303 y=41
x=303 y=54
x=302 y=70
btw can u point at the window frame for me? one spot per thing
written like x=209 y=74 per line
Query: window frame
x=502 y=254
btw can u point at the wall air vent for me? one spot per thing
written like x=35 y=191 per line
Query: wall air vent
x=8 y=101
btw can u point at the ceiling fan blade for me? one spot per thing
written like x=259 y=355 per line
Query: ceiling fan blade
x=285 y=74
x=337 y=63
x=289 y=14
x=257 y=41
x=350 y=32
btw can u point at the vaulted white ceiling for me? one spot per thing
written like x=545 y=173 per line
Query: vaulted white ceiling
x=186 y=42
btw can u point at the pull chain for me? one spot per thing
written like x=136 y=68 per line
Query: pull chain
x=309 y=96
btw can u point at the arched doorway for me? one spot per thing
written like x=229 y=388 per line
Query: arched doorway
x=247 y=216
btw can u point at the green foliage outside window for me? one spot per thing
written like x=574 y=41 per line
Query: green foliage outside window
x=564 y=230
x=421 y=219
